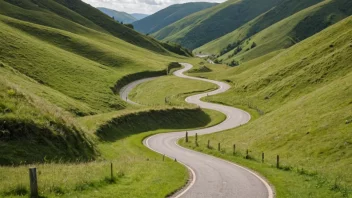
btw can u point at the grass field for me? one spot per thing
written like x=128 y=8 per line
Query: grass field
x=136 y=168
x=59 y=67
x=157 y=92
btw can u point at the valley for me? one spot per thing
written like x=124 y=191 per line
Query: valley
x=271 y=77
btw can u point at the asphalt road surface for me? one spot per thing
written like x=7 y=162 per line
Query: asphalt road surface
x=211 y=177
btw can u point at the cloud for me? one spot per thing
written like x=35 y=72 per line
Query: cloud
x=140 y=6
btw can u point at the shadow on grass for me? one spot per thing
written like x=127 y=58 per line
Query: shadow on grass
x=25 y=142
x=125 y=126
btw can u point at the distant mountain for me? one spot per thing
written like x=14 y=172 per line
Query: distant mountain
x=139 y=16
x=168 y=16
x=202 y=27
x=119 y=16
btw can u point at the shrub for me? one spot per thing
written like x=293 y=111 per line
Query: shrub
x=234 y=63
x=253 y=45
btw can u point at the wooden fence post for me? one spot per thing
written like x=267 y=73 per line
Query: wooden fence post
x=196 y=139
x=247 y=156
x=186 y=136
x=33 y=182
x=208 y=144
x=219 y=148
x=262 y=157
x=111 y=172
x=277 y=161
x=234 y=149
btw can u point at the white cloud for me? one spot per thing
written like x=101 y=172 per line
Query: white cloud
x=140 y=6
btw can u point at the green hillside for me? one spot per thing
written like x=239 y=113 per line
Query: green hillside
x=74 y=16
x=301 y=102
x=58 y=72
x=168 y=16
x=60 y=65
x=283 y=10
x=204 y=26
x=281 y=35
x=118 y=16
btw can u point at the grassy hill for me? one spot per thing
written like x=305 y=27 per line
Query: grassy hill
x=168 y=16
x=118 y=16
x=57 y=75
x=301 y=101
x=202 y=27
x=60 y=62
x=283 y=10
x=75 y=17
x=238 y=46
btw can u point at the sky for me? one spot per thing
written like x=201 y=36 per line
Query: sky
x=140 y=6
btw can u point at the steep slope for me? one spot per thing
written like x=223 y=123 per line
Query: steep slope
x=118 y=16
x=287 y=32
x=74 y=16
x=54 y=69
x=207 y=25
x=304 y=97
x=168 y=16
x=283 y=10
x=35 y=130
x=139 y=16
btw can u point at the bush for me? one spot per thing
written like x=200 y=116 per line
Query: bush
x=234 y=63
x=253 y=45
x=230 y=47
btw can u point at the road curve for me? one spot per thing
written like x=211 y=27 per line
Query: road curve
x=212 y=177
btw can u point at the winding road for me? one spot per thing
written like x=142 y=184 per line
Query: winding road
x=211 y=177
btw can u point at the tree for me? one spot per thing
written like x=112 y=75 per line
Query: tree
x=234 y=63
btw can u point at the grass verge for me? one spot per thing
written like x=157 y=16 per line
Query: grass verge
x=288 y=181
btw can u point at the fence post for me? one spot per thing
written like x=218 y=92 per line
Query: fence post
x=219 y=148
x=186 y=136
x=262 y=157
x=111 y=172
x=277 y=161
x=247 y=156
x=234 y=149
x=208 y=144
x=196 y=139
x=33 y=182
